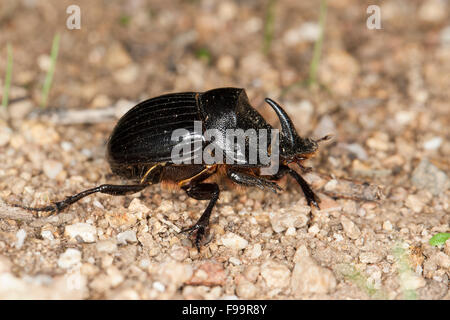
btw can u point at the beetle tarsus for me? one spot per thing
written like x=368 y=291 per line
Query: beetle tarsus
x=50 y=208
x=200 y=228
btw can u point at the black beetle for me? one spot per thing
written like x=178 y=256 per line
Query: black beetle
x=140 y=149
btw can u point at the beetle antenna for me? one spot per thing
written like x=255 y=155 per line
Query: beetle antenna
x=325 y=138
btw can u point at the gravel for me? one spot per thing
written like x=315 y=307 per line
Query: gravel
x=383 y=179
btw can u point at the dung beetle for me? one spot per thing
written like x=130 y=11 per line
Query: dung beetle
x=141 y=145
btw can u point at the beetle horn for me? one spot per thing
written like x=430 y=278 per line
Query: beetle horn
x=287 y=127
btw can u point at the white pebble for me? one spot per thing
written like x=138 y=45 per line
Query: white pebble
x=85 y=231
x=20 y=236
x=108 y=246
x=295 y=217
x=233 y=241
x=290 y=231
x=47 y=234
x=52 y=168
x=126 y=236
x=432 y=144
x=387 y=225
x=314 y=229
x=158 y=286
x=69 y=258
x=66 y=146
x=254 y=251
x=307 y=32
x=234 y=261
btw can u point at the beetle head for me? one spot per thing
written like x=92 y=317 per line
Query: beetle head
x=292 y=146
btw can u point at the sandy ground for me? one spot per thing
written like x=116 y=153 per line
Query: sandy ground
x=383 y=179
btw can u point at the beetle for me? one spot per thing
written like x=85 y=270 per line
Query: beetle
x=141 y=144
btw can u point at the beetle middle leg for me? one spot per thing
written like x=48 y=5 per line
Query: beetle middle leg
x=202 y=191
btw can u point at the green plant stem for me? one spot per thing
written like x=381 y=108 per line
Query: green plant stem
x=8 y=76
x=269 y=26
x=51 y=70
x=318 y=44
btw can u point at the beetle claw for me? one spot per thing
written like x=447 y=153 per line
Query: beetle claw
x=200 y=230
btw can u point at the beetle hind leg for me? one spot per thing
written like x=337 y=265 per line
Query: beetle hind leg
x=202 y=191
x=116 y=190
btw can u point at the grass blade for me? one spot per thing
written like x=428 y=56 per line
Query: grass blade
x=269 y=26
x=51 y=70
x=318 y=44
x=8 y=76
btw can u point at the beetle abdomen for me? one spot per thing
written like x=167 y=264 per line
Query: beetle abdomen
x=143 y=135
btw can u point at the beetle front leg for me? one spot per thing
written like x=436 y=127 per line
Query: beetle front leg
x=202 y=191
x=311 y=197
x=252 y=181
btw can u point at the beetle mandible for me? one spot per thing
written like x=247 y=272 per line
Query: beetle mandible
x=140 y=149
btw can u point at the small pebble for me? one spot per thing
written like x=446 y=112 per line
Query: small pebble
x=19 y=109
x=209 y=274
x=127 y=75
x=294 y=217
x=20 y=238
x=370 y=257
x=428 y=177
x=308 y=277
x=126 y=236
x=87 y=232
x=246 y=290
x=445 y=37
x=351 y=229
x=314 y=229
x=158 y=286
x=108 y=246
x=387 y=225
x=52 y=168
x=69 y=258
x=307 y=32
x=276 y=275
x=178 y=252
x=442 y=260
x=235 y=261
x=433 y=11
x=5 y=135
x=48 y=235
x=233 y=241
x=414 y=203
x=433 y=143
